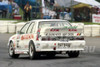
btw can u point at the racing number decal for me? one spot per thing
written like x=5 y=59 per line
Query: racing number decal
x=27 y=36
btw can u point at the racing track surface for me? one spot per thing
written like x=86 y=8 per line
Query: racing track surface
x=86 y=59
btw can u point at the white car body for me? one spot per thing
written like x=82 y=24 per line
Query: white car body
x=21 y=40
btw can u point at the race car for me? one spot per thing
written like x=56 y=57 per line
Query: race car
x=47 y=37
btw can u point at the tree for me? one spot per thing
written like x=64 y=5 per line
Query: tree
x=98 y=0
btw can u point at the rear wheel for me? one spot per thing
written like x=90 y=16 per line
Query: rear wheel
x=12 y=52
x=32 y=52
x=73 y=53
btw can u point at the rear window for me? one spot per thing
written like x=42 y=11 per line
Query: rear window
x=54 y=24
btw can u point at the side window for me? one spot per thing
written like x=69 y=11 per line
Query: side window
x=24 y=28
x=34 y=28
x=30 y=28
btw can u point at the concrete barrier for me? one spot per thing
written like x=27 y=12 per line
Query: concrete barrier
x=7 y=21
x=79 y=25
x=6 y=27
x=19 y=26
x=11 y=28
x=99 y=29
x=88 y=30
x=95 y=30
x=3 y=28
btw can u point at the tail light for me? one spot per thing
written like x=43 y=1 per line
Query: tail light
x=37 y=37
x=38 y=33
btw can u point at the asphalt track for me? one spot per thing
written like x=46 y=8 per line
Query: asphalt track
x=89 y=58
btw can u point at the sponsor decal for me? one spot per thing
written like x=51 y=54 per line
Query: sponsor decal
x=27 y=36
x=32 y=35
x=71 y=28
x=59 y=34
x=54 y=30
x=96 y=18
x=22 y=38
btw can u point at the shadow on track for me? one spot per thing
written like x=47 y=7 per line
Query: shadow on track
x=43 y=58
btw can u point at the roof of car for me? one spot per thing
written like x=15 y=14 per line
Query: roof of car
x=39 y=20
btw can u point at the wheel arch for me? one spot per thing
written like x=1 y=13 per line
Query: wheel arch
x=31 y=41
x=10 y=42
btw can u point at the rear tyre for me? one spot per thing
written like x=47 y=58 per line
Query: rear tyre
x=12 y=52
x=32 y=52
x=73 y=54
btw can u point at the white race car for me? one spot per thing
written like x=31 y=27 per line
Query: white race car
x=47 y=37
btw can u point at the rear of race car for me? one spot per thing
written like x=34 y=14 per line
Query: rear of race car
x=60 y=39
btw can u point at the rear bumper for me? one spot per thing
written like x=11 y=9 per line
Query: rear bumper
x=77 y=49
x=77 y=45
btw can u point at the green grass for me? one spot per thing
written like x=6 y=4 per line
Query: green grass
x=5 y=19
